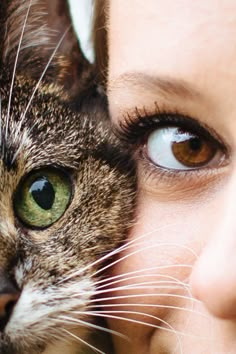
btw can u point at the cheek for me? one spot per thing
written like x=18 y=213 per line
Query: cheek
x=157 y=257
x=153 y=270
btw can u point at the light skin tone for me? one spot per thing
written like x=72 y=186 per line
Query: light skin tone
x=178 y=58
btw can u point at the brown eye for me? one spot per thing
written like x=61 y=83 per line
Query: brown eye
x=193 y=151
x=174 y=148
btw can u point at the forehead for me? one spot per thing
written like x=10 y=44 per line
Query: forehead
x=148 y=32
x=190 y=42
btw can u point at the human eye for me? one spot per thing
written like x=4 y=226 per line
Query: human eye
x=171 y=145
x=177 y=148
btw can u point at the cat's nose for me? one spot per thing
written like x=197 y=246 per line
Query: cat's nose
x=9 y=295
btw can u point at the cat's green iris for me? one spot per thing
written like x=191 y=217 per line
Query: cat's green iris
x=42 y=197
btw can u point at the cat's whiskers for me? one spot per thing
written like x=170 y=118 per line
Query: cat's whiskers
x=104 y=258
x=93 y=303
x=14 y=68
x=137 y=251
x=152 y=286
x=94 y=311
x=167 y=281
x=145 y=305
x=163 y=282
x=170 y=280
x=128 y=305
x=109 y=314
x=85 y=324
x=153 y=305
x=138 y=295
x=138 y=274
x=83 y=341
x=142 y=286
x=114 y=315
x=124 y=247
x=22 y=118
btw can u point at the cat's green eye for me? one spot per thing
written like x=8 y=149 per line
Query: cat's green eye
x=42 y=197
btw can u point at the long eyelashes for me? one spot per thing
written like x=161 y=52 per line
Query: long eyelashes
x=136 y=124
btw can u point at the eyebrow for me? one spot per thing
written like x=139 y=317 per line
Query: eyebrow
x=163 y=85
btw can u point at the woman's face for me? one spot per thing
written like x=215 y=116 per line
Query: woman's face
x=172 y=88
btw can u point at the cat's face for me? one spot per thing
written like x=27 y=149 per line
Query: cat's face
x=66 y=196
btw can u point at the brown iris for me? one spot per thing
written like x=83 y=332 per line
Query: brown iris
x=193 y=151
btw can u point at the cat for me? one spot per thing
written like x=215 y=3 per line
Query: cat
x=67 y=184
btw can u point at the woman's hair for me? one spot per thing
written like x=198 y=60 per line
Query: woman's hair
x=99 y=38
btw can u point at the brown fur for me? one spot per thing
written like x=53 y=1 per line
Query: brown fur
x=65 y=126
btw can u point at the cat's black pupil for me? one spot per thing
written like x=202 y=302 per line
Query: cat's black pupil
x=43 y=193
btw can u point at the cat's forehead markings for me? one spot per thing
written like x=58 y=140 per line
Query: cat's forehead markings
x=8 y=163
x=7 y=153
x=15 y=148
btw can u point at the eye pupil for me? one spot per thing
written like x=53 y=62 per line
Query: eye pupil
x=195 y=144
x=192 y=151
x=43 y=193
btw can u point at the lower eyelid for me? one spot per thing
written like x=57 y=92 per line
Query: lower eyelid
x=165 y=185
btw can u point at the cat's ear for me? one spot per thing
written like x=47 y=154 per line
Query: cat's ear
x=36 y=35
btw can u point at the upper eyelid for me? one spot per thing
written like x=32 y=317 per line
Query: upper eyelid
x=142 y=119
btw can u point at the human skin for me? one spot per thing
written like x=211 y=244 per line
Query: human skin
x=186 y=226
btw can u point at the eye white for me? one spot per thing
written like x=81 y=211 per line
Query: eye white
x=159 y=147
